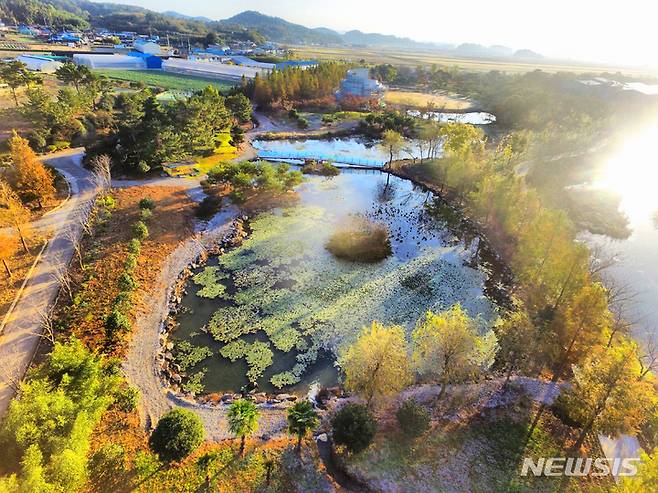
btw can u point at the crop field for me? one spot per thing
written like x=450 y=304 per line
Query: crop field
x=157 y=78
x=420 y=100
x=427 y=58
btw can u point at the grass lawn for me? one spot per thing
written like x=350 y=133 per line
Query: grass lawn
x=200 y=166
x=158 y=78
x=420 y=100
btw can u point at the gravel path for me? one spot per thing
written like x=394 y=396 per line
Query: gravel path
x=141 y=368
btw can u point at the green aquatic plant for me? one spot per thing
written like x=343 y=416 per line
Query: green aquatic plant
x=284 y=379
x=194 y=385
x=235 y=350
x=229 y=323
x=209 y=278
x=259 y=357
x=188 y=356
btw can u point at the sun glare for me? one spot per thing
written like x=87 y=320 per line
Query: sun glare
x=633 y=173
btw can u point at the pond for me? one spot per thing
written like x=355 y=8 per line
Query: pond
x=472 y=117
x=350 y=151
x=277 y=309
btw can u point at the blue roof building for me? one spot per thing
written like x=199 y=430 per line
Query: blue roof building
x=151 y=61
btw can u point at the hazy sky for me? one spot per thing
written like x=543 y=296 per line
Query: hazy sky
x=602 y=30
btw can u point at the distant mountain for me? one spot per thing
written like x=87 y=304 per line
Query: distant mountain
x=528 y=55
x=282 y=31
x=178 y=15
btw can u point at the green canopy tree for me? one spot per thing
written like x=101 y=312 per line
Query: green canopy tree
x=447 y=346
x=607 y=394
x=377 y=364
x=177 y=435
x=242 y=420
x=302 y=418
x=72 y=73
x=15 y=74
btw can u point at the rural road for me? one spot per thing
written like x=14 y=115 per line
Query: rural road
x=21 y=334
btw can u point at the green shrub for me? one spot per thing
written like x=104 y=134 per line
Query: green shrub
x=177 y=435
x=126 y=282
x=108 y=202
x=116 y=323
x=134 y=246
x=414 y=420
x=303 y=123
x=126 y=399
x=131 y=262
x=354 y=426
x=140 y=231
x=123 y=301
x=145 y=214
x=147 y=203
x=209 y=207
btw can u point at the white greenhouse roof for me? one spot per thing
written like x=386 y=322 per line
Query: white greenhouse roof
x=110 y=61
x=39 y=63
x=210 y=69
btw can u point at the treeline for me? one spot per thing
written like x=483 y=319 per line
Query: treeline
x=295 y=86
x=45 y=435
x=554 y=105
x=41 y=13
x=562 y=322
x=147 y=134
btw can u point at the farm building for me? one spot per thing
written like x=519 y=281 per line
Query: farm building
x=212 y=70
x=36 y=63
x=125 y=62
x=359 y=84
x=148 y=47
x=245 y=61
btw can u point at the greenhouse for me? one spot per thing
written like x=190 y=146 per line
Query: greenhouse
x=211 y=70
x=44 y=64
x=125 y=62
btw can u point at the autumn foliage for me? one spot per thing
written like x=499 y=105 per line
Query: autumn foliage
x=30 y=178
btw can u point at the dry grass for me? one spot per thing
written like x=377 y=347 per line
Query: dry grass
x=107 y=251
x=20 y=265
x=360 y=240
x=421 y=100
x=415 y=58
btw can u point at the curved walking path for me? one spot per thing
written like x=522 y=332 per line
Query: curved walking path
x=141 y=368
x=22 y=332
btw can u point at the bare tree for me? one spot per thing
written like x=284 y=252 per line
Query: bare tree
x=47 y=324
x=61 y=274
x=74 y=238
x=648 y=356
x=101 y=167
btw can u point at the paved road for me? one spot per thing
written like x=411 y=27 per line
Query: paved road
x=21 y=335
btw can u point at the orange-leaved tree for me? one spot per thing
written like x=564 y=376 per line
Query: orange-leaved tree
x=30 y=178
x=8 y=247
x=13 y=213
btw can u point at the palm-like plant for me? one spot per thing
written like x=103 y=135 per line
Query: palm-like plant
x=242 y=420
x=301 y=419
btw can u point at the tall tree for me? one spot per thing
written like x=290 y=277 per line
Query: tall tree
x=31 y=179
x=13 y=213
x=377 y=364
x=15 y=74
x=607 y=394
x=242 y=420
x=8 y=247
x=302 y=418
x=447 y=346
x=72 y=73
x=393 y=142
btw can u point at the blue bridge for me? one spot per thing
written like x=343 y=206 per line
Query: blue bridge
x=333 y=158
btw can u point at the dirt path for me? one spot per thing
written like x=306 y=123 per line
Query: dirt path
x=22 y=333
x=141 y=367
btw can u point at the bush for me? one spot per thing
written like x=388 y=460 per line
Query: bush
x=209 y=207
x=147 y=203
x=116 y=323
x=140 y=230
x=134 y=246
x=302 y=123
x=354 y=426
x=414 y=420
x=126 y=282
x=126 y=399
x=177 y=435
x=321 y=169
x=131 y=262
x=108 y=202
x=145 y=214
x=360 y=241
x=123 y=301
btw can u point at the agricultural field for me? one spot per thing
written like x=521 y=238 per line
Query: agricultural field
x=421 y=100
x=414 y=59
x=157 y=78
